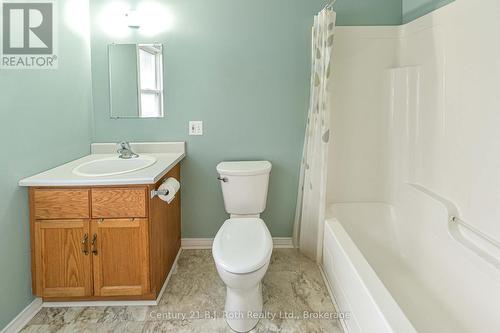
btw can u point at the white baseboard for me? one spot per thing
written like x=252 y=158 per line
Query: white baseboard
x=32 y=309
x=76 y=304
x=23 y=317
x=118 y=303
x=173 y=270
x=206 y=243
x=196 y=243
x=283 y=243
x=332 y=296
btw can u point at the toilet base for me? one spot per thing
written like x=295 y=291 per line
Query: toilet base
x=243 y=307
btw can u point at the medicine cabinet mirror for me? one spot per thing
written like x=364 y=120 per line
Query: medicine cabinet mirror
x=136 y=80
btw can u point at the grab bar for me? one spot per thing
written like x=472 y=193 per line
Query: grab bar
x=479 y=233
x=456 y=226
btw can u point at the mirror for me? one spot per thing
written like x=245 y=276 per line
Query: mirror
x=136 y=80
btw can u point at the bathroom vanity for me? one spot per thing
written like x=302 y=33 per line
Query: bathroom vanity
x=106 y=237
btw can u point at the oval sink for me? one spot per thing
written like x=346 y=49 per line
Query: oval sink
x=110 y=166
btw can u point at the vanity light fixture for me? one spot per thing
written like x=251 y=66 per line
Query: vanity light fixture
x=133 y=19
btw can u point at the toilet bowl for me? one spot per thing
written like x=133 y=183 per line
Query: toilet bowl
x=242 y=250
x=243 y=245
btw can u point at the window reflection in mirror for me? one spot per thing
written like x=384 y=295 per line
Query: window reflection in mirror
x=136 y=80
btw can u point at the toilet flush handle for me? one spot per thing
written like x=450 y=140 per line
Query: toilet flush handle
x=224 y=179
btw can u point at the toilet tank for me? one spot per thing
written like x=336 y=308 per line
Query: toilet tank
x=244 y=186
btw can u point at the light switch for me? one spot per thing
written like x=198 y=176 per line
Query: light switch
x=196 y=127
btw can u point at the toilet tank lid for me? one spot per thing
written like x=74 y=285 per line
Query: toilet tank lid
x=244 y=168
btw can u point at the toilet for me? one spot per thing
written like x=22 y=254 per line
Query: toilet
x=243 y=245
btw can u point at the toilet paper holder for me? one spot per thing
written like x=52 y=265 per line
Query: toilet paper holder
x=154 y=193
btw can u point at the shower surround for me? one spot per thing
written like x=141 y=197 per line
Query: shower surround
x=414 y=151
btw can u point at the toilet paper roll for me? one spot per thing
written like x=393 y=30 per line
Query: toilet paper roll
x=172 y=185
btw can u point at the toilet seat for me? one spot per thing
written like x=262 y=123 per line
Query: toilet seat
x=242 y=245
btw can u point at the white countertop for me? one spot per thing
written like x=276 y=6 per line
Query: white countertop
x=167 y=155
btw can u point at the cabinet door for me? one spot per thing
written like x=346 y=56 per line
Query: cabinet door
x=120 y=257
x=63 y=265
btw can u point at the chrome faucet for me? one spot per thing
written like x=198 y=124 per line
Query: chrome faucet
x=125 y=151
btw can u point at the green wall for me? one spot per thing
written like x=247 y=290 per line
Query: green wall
x=383 y=12
x=240 y=66
x=45 y=120
x=368 y=12
x=243 y=68
x=413 y=9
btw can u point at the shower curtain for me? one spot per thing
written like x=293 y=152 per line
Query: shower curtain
x=311 y=198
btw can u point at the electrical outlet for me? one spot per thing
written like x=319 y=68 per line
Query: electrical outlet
x=196 y=128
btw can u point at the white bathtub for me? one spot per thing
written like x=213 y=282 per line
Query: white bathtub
x=356 y=286
x=404 y=272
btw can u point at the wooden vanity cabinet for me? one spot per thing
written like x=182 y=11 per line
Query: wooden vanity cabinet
x=61 y=266
x=102 y=243
x=120 y=262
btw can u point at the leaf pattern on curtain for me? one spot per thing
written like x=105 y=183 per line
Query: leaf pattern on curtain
x=311 y=199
